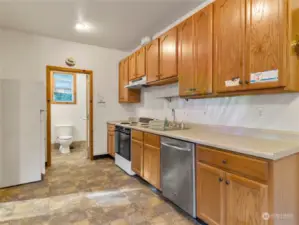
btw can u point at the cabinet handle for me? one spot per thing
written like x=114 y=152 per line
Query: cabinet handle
x=224 y=161
x=227 y=182
x=246 y=82
x=220 y=179
x=240 y=82
x=295 y=45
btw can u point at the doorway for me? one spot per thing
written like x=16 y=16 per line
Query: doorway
x=89 y=106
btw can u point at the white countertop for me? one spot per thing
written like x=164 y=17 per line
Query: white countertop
x=267 y=144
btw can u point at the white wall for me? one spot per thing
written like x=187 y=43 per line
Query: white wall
x=24 y=56
x=72 y=114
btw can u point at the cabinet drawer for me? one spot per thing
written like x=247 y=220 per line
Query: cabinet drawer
x=250 y=167
x=137 y=135
x=111 y=127
x=152 y=139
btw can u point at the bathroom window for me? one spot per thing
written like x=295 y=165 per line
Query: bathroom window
x=63 y=88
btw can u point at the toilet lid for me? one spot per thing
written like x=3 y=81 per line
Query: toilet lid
x=65 y=137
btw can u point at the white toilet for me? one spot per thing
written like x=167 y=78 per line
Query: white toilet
x=64 y=135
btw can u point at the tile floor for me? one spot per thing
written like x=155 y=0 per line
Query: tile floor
x=78 y=191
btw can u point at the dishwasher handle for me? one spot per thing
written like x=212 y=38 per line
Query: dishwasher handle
x=176 y=147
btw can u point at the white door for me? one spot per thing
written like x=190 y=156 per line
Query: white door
x=20 y=148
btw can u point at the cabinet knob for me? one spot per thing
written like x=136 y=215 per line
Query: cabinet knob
x=240 y=82
x=227 y=182
x=220 y=179
x=224 y=161
x=295 y=45
x=246 y=82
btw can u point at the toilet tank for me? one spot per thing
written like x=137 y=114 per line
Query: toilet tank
x=64 y=130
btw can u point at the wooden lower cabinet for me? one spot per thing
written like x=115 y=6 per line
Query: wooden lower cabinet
x=137 y=157
x=246 y=201
x=227 y=199
x=145 y=158
x=111 y=143
x=151 y=165
x=210 y=194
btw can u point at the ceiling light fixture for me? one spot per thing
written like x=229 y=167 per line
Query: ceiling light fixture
x=82 y=27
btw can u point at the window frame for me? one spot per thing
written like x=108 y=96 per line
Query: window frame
x=74 y=87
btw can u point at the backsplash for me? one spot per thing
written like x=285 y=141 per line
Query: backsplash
x=276 y=111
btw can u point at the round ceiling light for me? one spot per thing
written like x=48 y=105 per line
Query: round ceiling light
x=82 y=27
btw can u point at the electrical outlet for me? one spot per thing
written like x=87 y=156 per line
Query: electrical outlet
x=260 y=111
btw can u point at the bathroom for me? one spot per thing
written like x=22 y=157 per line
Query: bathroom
x=69 y=115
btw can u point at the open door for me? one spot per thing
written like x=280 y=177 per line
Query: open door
x=89 y=107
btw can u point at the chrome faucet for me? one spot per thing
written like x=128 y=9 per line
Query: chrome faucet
x=173 y=116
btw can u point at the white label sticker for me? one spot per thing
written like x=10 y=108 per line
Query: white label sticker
x=262 y=77
x=232 y=83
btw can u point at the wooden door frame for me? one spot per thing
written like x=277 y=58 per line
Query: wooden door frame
x=49 y=69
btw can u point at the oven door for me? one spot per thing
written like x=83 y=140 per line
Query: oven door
x=124 y=148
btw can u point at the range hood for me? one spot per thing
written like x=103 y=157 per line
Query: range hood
x=137 y=84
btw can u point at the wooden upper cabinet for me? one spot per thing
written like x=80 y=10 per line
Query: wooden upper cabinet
x=203 y=50
x=168 y=54
x=265 y=51
x=140 y=62
x=246 y=201
x=121 y=92
x=186 y=57
x=210 y=186
x=126 y=95
x=132 y=67
x=152 y=61
x=230 y=39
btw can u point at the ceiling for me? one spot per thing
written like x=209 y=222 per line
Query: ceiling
x=118 y=24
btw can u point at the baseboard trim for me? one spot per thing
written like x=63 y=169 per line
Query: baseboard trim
x=104 y=156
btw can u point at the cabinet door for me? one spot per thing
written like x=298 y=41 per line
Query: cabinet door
x=210 y=190
x=151 y=165
x=137 y=157
x=110 y=143
x=185 y=57
x=168 y=54
x=121 y=89
x=125 y=80
x=246 y=201
x=265 y=44
x=132 y=67
x=203 y=50
x=140 y=62
x=152 y=61
x=230 y=43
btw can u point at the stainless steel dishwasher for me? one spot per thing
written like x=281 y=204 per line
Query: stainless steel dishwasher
x=178 y=173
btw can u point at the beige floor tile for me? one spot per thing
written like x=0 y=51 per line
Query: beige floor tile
x=78 y=191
